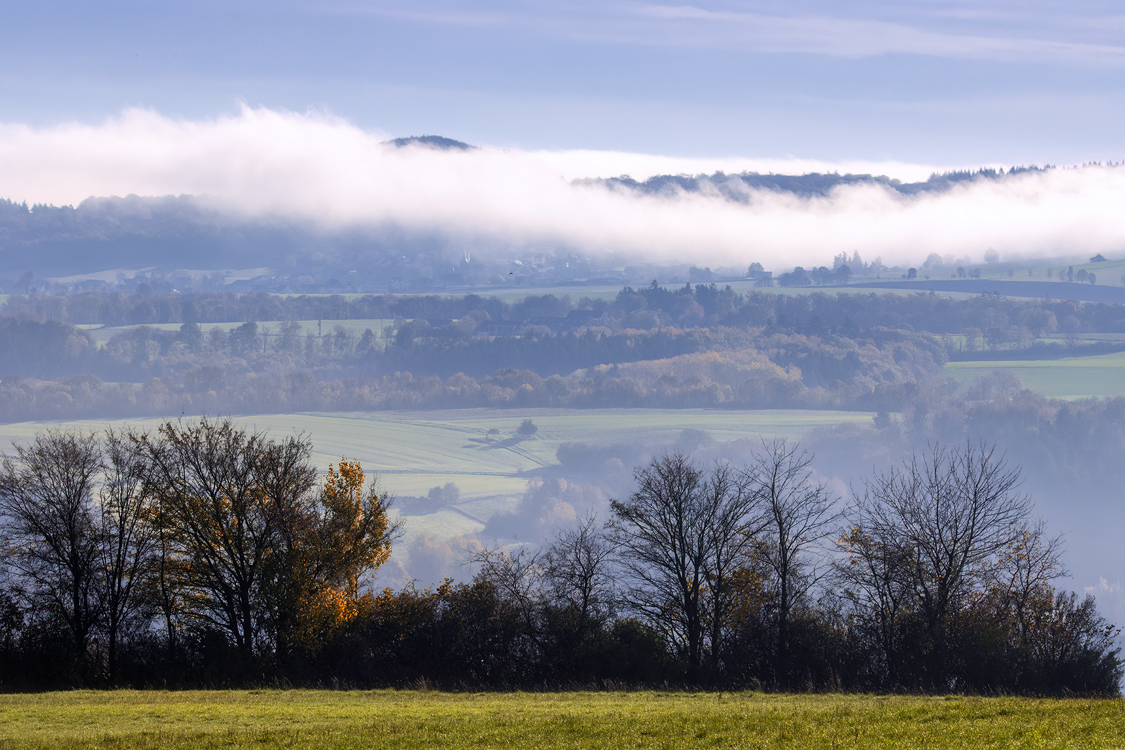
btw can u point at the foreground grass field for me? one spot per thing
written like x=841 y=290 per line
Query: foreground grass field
x=410 y=719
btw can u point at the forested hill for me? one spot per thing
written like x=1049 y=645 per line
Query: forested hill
x=164 y=234
x=431 y=141
x=739 y=187
x=131 y=232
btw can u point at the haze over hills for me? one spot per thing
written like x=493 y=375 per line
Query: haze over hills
x=191 y=241
x=742 y=187
x=263 y=187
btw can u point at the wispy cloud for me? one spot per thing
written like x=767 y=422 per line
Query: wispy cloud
x=444 y=17
x=863 y=37
x=321 y=169
x=1072 y=35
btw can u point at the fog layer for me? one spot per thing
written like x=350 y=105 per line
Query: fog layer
x=262 y=163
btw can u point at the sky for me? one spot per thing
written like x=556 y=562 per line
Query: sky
x=281 y=108
x=934 y=82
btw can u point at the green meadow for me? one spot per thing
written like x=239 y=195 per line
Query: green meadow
x=1069 y=378
x=427 y=719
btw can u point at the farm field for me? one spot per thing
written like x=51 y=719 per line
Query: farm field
x=608 y=292
x=858 y=288
x=102 y=334
x=1072 y=377
x=414 y=451
x=428 y=719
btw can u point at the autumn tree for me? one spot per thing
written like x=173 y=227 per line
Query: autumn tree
x=324 y=550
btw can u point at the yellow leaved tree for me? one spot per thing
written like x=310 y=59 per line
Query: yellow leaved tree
x=329 y=549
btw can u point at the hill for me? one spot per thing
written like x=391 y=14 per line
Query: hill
x=431 y=141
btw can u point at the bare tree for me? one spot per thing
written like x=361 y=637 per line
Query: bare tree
x=940 y=521
x=223 y=495
x=733 y=518
x=51 y=530
x=128 y=539
x=1022 y=577
x=577 y=567
x=874 y=576
x=517 y=577
x=797 y=514
x=679 y=537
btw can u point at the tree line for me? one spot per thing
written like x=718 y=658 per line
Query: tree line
x=876 y=379
x=204 y=554
x=698 y=305
x=838 y=351
x=126 y=550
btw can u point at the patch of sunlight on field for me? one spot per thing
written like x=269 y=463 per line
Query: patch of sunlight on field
x=1072 y=377
x=412 y=719
x=414 y=451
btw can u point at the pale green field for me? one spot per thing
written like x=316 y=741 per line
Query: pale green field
x=511 y=294
x=1109 y=272
x=576 y=293
x=1072 y=377
x=411 y=719
x=414 y=451
x=858 y=289
x=102 y=334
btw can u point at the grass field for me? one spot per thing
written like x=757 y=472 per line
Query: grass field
x=411 y=719
x=608 y=292
x=1072 y=377
x=102 y=334
x=415 y=451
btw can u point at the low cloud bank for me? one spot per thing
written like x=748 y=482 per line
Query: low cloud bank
x=262 y=164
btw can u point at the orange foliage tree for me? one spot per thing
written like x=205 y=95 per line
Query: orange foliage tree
x=326 y=550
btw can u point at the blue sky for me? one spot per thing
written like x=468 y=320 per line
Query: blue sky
x=933 y=82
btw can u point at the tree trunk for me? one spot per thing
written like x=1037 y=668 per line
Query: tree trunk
x=781 y=665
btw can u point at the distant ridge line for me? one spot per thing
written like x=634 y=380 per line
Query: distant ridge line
x=431 y=141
